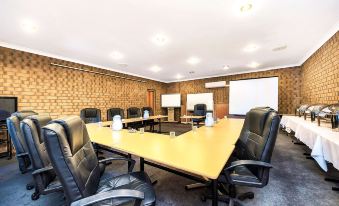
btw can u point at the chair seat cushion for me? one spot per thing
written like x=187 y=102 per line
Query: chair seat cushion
x=134 y=181
x=241 y=175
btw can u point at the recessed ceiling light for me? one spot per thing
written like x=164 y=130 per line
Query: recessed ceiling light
x=254 y=65
x=160 y=39
x=193 y=60
x=179 y=76
x=251 y=48
x=226 y=67
x=116 y=55
x=29 y=26
x=246 y=7
x=155 y=68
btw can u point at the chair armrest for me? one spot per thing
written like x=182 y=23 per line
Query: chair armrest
x=22 y=154
x=121 y=193
x=42 y=170
x=248 y=162
x=110 y=159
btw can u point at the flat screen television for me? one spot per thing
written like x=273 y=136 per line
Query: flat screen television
x=8 y=105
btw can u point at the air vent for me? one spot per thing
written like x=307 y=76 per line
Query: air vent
x=279 y=48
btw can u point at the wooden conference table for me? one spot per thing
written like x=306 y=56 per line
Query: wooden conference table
x=137 y=119
x=202 y=153
x=187 y=117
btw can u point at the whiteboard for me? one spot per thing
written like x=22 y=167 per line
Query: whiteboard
x=247 y=94
x=201 y=98
x=170 y=100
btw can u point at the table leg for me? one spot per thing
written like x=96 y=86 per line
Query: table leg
x=9 y=146
x=159 y=125
x=129 y=156
x=214 y=193
x=142 y=164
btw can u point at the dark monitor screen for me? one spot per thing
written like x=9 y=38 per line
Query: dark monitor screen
x=8 y=105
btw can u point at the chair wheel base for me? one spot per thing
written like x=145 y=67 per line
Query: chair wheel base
x=247 y=195
x=29 y=186
x=35 y=196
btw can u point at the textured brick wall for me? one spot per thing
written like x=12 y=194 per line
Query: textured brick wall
x=60 y=91
x=289 y=87
x=320 y=74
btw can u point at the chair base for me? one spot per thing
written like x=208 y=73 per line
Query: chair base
x=195 y=186
x=35 y=196
x=29 y=186
x=228 y=194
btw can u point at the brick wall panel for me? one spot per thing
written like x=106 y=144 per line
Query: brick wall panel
x=60 y=91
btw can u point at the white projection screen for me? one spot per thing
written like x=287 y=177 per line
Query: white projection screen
x=250 y=93
x=170 y=100
x=200 y=98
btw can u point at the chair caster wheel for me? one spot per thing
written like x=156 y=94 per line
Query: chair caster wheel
x=29 y=187
x=35 y=196
x=247 y=195
x=203 y=198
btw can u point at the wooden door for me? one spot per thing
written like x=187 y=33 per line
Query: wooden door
x=151 y=99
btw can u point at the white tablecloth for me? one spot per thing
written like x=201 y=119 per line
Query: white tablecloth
x=323 y=141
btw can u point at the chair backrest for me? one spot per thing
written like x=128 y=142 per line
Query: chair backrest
x=73 y=157
x=31 y=128
x=133 y=112
x=257 y=138
x=200 y=110
x=149 y=109
x=13 y=125
x=114 y=111
x=90 y=115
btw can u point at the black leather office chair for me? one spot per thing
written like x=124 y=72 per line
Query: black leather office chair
x=115 y=111
x=199 y=110
x=150 y=122
x=77 y=167
x=44 y=176
x=134 y=112
x=252 y=154
x=90 y=115
x=13 y=125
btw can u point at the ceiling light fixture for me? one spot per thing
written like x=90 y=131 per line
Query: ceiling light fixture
x=179 y=76
x=226 y=67
x=193 y=60
x=246 y=7
x=160 y=39
x=251 y=48
x=116 y=55
x=29 y=26
x=254 y=65
x=155 y=69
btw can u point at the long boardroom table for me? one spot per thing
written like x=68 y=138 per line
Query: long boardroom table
x=323 y=141
x=201 y=153
x=137 y=119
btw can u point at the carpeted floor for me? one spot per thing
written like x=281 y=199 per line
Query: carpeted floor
x=294 y=180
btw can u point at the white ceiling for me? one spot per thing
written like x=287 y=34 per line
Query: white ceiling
x=215 y=31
